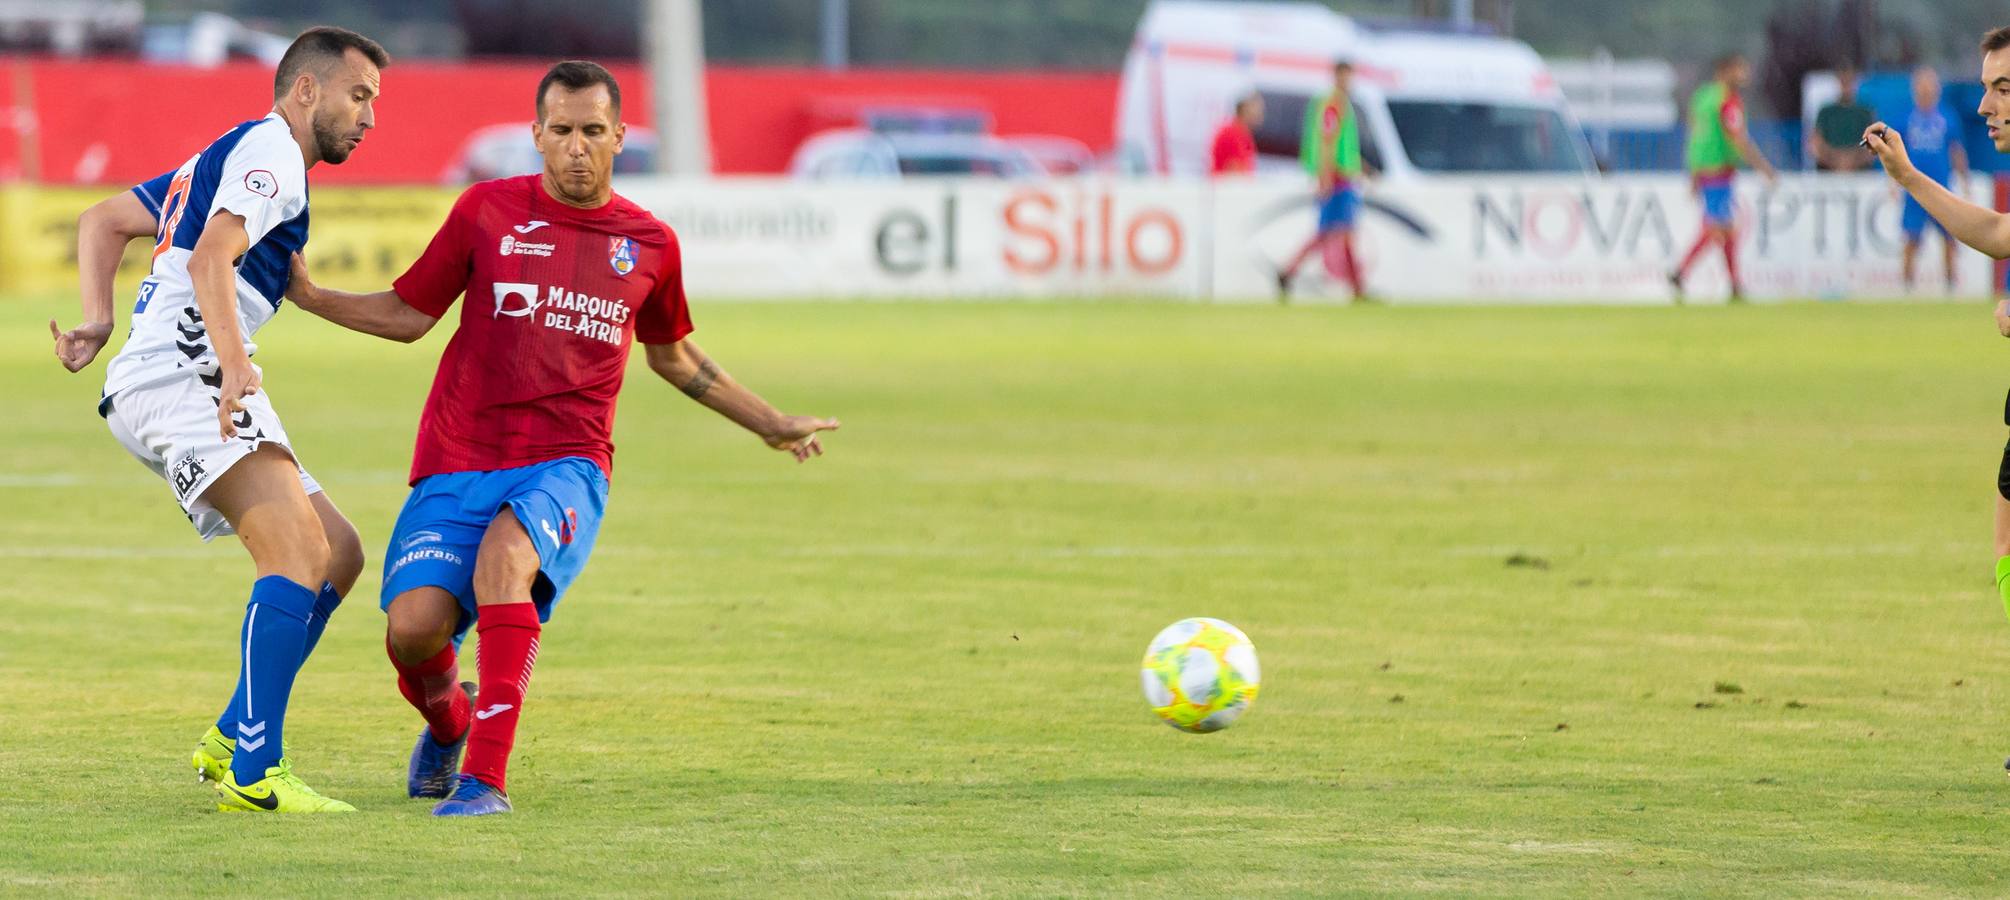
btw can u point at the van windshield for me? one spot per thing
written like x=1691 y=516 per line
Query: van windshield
x=1442 y=136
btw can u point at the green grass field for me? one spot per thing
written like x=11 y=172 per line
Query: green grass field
x=1557 y=601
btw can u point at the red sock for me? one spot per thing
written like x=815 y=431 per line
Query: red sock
x=433 y=688
x=1304 y=253
x=1731 y=263
x=1702 y=244
x=508 y=649
x=1349 y=268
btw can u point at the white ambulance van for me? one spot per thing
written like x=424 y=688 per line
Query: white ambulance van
x=1429 y=103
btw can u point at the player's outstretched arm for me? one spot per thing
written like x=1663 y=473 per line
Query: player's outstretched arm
x=1749 y=151
x=102 y=234
x=691 y=371
x=1979 y=227
x=383 y=313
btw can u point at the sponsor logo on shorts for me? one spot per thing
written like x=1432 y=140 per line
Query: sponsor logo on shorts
x=185 y=475
x=435 y=554
x=420 y=537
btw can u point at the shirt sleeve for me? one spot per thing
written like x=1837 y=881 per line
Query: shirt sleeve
x=153 y=192
x=264 y=180
x=665 y=319
x=441 y=273
x=1732 y=113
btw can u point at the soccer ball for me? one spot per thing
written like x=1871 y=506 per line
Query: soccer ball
x=1200 y=675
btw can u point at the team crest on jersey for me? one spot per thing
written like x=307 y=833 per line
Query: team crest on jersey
x=621 y=255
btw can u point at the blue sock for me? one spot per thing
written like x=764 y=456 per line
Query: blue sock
x=274 y=638
x=324 y=608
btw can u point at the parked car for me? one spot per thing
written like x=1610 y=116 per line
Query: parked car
x=505 y=149
x=860 y=153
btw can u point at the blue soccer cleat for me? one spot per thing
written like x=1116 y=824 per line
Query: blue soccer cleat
x=473 y=797
x=431 y=773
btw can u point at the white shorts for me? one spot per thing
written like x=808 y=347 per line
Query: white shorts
x=170 y=427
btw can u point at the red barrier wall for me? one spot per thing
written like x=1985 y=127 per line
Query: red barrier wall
x=122 y=122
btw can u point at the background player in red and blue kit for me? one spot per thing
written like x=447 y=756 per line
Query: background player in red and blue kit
x=1718 y=142
x=1935 y=148
x=509 y=478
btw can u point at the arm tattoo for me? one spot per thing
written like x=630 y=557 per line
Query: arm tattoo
x=708 y=372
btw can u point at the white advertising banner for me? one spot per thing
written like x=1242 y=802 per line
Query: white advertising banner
x=934 y=238
x=1498 y=240
x=1608 y=240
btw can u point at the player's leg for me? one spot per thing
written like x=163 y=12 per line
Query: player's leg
x=531 y=552
x=1948 y=251
x=420 y=627
x=1727 y=235
x=261 y=496
x=2003 y=526
x=345 y=563
x=1322 y=234
x=1912 y=221
x=429 y=602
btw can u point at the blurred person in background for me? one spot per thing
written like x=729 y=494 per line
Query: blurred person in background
x=1718 y=141
x=1234 y=148
x=1836 y=144
x=1330 y=148
x=1936 y=152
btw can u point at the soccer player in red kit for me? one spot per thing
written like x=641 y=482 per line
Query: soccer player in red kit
x=509 y=478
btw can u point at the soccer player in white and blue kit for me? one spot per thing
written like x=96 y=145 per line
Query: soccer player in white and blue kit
x=1936 y=152
x=183 y=397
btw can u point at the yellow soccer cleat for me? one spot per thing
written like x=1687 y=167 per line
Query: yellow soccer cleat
x=212 y=755
x=279 y=791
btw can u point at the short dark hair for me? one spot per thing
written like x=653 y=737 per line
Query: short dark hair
x=578 y=75
x=317 y=47
x=1343 y=65
x=1996 y=40
x=1725 y=62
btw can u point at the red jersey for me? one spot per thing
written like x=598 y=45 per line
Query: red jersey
x=555 y=296
x=1234 y=149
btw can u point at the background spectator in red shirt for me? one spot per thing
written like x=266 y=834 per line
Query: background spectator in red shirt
x=1235 y=144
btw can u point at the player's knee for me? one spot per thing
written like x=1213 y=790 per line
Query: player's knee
x=416 y=634
x=345 y=554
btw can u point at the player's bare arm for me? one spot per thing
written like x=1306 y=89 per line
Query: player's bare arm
x=1977 y=226
x=1749 y=151
x=102 y=234
x=212 y=269
x=687 y=368
x=382 y=313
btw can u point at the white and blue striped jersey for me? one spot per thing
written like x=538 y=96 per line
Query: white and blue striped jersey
x=254 y=170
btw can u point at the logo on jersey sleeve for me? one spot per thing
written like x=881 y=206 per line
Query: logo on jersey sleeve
x=262 y=183
x=515 y=298
x=621 y=255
